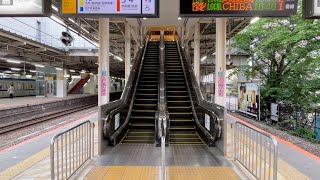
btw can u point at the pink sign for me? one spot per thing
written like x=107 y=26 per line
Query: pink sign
x=103 y=86
x=221 y=84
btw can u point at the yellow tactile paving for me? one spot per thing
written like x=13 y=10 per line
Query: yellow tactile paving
x=26 y=164
x=152 y=173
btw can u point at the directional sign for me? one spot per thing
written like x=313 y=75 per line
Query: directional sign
x=109 y=8
x=311 y=9
x=25 y=8
x=238 y=8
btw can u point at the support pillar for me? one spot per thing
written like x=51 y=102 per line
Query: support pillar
x=220 y=71
x=61 y=84
x=197 y=52
x=127 y=51
x=103 y=76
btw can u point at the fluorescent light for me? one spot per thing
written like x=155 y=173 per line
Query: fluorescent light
x=85 y=30
x=119 y=58
x=39 y=65
x=203 y=58
x=83 y=71
x=54 y=8
x=254 y=20
x=56 y=19
x=13 y=61
x=33 y=71
x=71 y=81
x=40 y=76
x=179 y=18
x=91 y=73
x=144 y=18
x=72 y=70
x=15 y=69
x=66 y=75
x=85 y=84
x=16 y=74
x=75 y=77
x=29 y=76
x=59 y=69
x=71 y=20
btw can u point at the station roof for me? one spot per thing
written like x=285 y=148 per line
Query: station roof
x=18 y=47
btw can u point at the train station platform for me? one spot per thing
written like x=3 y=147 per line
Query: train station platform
x=30 y=160
x=7 y=103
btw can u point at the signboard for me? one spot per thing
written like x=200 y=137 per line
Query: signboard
x=25 y=8
x=238 y=8
x=311 y=9
x=207 y=122
x=274 y=112
x=221 y=84
x=104 y=82
x=109 y=8
x=248 y=98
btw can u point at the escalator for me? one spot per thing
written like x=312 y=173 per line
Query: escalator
x=141 y=128
x=182 y=124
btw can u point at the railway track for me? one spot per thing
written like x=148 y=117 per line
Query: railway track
x=43 y=118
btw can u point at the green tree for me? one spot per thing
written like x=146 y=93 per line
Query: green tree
x=286 y=56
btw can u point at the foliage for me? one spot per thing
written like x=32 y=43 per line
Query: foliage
x=306 y=134
x=286 y=57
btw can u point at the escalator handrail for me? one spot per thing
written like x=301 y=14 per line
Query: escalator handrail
x=162 y=114
x=126 y=93
x=201 y=101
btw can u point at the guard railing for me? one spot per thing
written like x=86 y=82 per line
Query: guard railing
x=255 y=150
x=71 y=149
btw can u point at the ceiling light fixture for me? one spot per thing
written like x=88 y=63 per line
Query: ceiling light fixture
x=72 y=70
x=203 y=58
x=59 y=69
x=15 y=69
x=254 y=20
x=119 y=58
x=179 y=18
x=13 y=61
x=38 y=65
x=144 y=18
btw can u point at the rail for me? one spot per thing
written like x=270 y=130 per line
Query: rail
x=256 y=151
x=70 y=149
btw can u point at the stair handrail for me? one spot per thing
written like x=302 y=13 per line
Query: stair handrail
x=162 y=114
x=109 y=110
x=214 y=110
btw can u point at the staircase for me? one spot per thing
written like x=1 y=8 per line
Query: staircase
x=182 y=125
x=142 y=120
x=79 y=85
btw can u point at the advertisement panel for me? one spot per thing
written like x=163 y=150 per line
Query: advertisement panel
x=238 y=8
x=25 y=8
x=109 y=8
x=248 y=98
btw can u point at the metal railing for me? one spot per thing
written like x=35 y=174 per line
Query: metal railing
x=256 y=151
x=70 y=149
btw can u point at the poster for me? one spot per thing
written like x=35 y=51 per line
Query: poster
x=104 y=82
x=248 y=98
x=221 y=84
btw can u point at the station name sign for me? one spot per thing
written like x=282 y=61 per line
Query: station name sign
x=238 y=8
x=109 y=8
x=25 y=8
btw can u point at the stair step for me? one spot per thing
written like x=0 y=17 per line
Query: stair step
x=182 y=128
